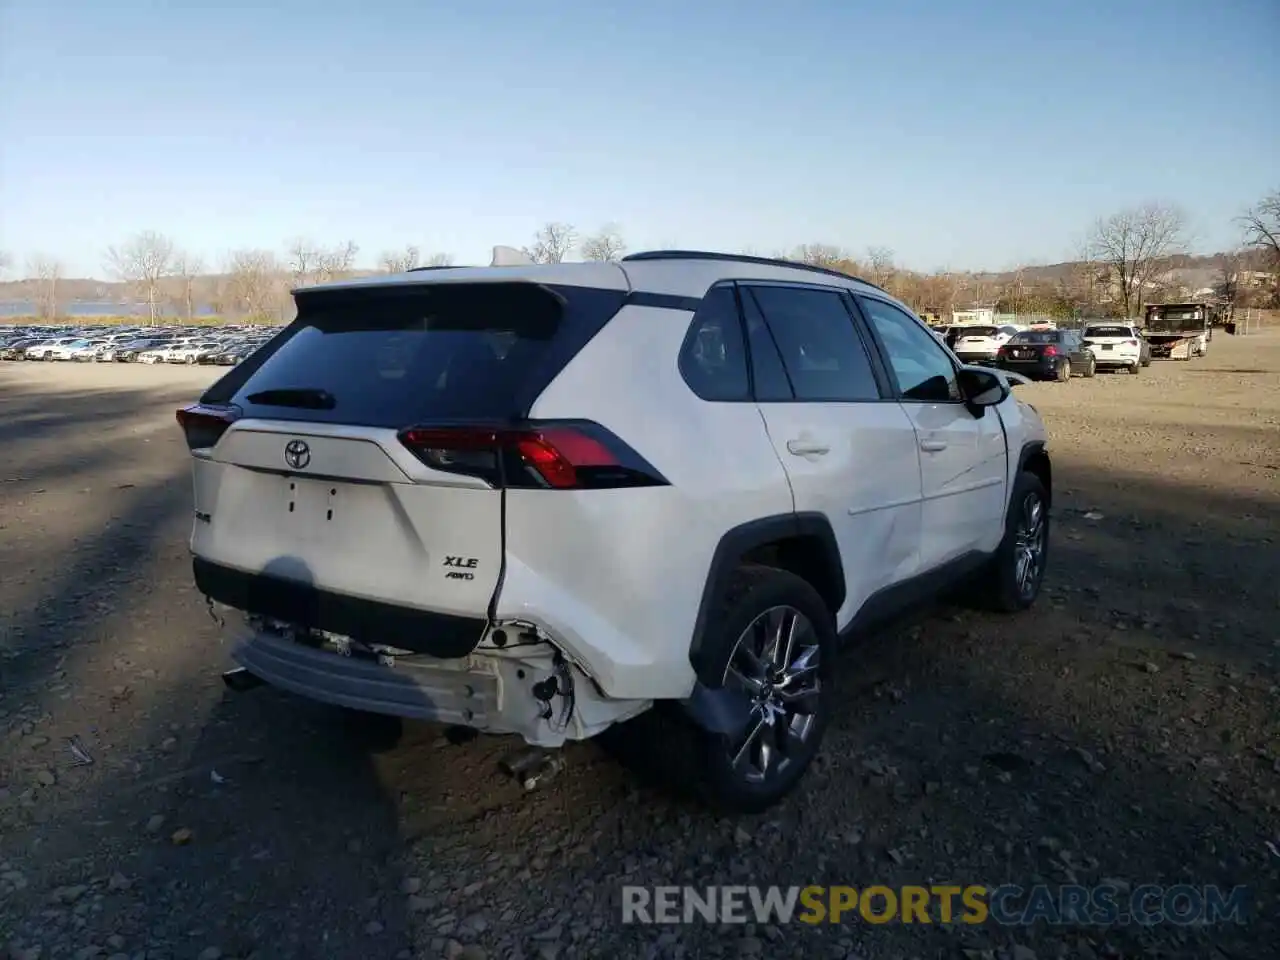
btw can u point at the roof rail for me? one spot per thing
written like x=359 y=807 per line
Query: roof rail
x=437 y=266
x=743 y=258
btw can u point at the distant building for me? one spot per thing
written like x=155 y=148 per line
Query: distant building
x=1252 y=278
x=974 y=315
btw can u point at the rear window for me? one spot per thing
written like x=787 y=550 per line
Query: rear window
x=1035 y=336
x=1108 y=332
x=390 y=357
x=979 y=331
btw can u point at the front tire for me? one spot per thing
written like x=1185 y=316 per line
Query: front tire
x=1011 y=581
x=771 y=641
x=1092 y=368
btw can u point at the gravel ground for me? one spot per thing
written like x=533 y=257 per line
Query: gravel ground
x=1128 y=728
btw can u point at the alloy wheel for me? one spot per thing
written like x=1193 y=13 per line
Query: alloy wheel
x=1029 y=545
x=775 y=664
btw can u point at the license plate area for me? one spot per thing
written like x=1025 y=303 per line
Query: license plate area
x=313 y=509
x=1107 y=346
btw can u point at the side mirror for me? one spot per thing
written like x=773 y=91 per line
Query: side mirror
x=981 y=388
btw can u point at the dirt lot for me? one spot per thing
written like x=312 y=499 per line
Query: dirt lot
x=1128 y=728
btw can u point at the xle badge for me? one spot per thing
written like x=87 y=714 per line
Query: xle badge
x=466 y=563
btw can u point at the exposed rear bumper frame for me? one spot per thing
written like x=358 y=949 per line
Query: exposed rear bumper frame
x=415 y=688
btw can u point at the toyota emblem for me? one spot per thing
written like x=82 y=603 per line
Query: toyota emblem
x=297 y=454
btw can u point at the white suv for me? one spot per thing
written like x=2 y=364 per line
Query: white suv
x=543 y=500
x=981 y=344
x=1115 y=346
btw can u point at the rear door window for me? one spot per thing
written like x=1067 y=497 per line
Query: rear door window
x=392 y=358
x=822 y=351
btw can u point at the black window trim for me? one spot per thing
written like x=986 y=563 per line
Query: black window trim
x=884 y=385
x=883 y=351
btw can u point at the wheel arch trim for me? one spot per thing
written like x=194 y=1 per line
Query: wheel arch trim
x=736 y=544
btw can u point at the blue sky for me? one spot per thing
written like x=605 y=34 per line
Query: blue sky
x=961 y=135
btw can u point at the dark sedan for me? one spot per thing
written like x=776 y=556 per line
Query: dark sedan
x=232 y=355
x=1047 y=354
x=128 y=352
x=14 y=349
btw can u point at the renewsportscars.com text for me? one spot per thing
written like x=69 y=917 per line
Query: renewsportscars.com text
x=1008 y=904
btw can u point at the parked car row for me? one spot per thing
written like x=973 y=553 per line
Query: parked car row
x=100 y=343
x=1049 y=353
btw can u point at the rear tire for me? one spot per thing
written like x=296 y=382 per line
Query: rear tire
x=1064 y=371
x=754 y=772
x=1092 y=369
x=1135 y=369
x=1011 y=581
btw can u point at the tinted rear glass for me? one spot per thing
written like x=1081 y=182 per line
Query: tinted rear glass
x=1108 y=332
x=978 y=331
x=392 y=358
x=1035 y=336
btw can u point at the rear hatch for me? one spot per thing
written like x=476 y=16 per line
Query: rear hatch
x=347 y=475
x=1031 y=347
x=1104 y=340
x=979 y=340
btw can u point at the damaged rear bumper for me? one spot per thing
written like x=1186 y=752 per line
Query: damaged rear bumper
x=446 y=691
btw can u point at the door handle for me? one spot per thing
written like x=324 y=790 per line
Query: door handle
x=933 y=446
x=807 y=448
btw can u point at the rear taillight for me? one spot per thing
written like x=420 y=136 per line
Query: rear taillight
x=204 y=425
x=561 y=455
x=1050 y=351
x=1131 y=343
x=1002 y=352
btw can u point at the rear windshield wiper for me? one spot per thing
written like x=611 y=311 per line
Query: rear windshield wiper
x=308 y=398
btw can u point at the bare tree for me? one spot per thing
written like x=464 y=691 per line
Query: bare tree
x=440 y=260
x=400 y=261
x=337 y=263
x=6 y=261
x=1227 y=283
x=186 y=272
x=1262 y=229
x=880 y=265
x=1133 y=245
x=252 y=285
x=309 y=262
x=939 y=290
x=45 y=272
x=820 y=255
x=552 y=243
x=303 y=259
x=143 y=262
x=605 y=245
x=1082 y=282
